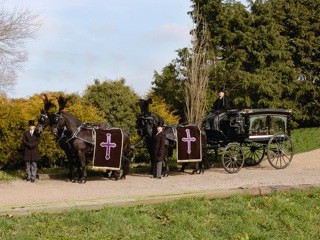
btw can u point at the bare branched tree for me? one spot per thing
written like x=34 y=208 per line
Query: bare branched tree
x=15 y=28
x=198 y=66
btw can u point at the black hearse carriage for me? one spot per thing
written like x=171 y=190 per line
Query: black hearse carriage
x=247 y=135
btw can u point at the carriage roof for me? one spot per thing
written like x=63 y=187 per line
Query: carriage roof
x=279 y=111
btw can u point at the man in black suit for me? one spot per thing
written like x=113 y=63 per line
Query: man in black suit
x=220 y=106
x=159 y=152
x=31 y=154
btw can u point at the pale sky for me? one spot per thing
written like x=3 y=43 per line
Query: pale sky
x=83 y=40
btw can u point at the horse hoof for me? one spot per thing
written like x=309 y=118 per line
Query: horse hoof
x=82 y=181
x=122 y=177
x=193 y=172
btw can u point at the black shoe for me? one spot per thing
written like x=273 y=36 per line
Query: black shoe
x=28 y=179
x=32 y=180
x=158 y=178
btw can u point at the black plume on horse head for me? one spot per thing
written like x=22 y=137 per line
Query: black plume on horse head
x=144 y=106
x=62 y=101
x=47 y=103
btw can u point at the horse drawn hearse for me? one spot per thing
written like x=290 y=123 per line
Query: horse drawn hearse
x=247 y=135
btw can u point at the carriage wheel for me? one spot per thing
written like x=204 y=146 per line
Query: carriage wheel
x=280 y=151
x=232 y=158
x=253 y=153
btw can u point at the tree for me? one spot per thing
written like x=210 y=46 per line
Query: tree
x=169 y=85
x=300 y=23
x=268 y=56
x=198 y=67
x=15 y=28
x=116 y=101
x=160 y=107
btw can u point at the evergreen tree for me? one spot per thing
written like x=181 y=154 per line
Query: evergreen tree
x=267 y=56
x=169 y=85
x=116 y=101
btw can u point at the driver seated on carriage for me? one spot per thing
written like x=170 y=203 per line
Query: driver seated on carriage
x=220 y=107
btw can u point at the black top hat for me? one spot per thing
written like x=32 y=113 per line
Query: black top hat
x=31 y=123
x=221 y=89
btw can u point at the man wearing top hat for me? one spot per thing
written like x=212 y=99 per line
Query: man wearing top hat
x=31 y=154
x=159 y=151
x=220 y=106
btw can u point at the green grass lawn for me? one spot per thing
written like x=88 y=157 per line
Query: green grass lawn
x=293 y=215
x=306 y=139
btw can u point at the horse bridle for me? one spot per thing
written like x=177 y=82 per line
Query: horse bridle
x=150 y=121
x=41 y=120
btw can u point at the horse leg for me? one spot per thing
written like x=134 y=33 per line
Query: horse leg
x=70 y=166
x=150 y=151
x=115 y=175
x=183 y=167
x=204 y=164
x=83 y=167
x=107 y=173
x=74 y=167
x=125 y=168
x=127 y=157
x=165 y=168
x=200 y=167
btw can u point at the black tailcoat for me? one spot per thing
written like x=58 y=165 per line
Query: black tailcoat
x=159 y=146
x=221 y=104
x=30 y=144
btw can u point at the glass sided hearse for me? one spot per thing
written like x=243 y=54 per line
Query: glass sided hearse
x=248 y=135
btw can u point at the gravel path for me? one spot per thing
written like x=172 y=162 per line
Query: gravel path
x=304 y=169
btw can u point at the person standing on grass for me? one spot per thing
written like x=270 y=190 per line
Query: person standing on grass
x=159 y=152
x=31 y=154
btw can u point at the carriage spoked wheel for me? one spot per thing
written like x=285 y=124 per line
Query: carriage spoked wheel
x=232 y=158
x=280 y=151
x=253 y=153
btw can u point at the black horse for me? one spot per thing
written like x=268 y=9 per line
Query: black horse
x=78 y=137
x=61 y=137
x=147 y=127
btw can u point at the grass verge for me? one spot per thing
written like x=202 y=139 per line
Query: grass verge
x=293 y=215
x=306 y=139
